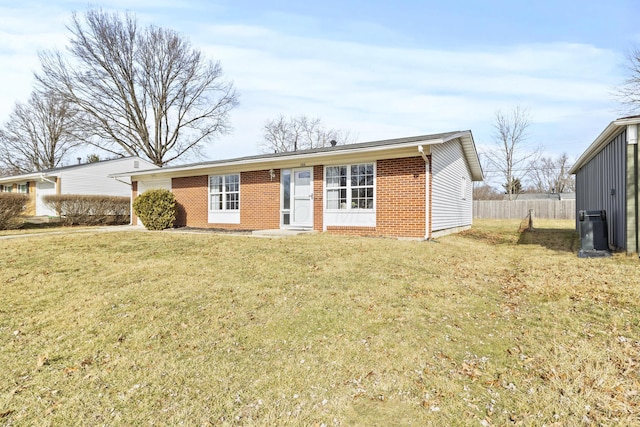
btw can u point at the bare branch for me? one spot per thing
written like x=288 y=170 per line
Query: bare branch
x=300 y=133
x=143 y=91
x=552 y=175
x=628 y=93
x=39 y=134
x=511 y=157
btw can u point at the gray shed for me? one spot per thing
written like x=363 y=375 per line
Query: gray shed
x=607 y=179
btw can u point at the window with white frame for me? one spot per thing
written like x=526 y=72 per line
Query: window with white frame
x=23 y=188
x=463 y=189
x=224 y=192
x=350 y=186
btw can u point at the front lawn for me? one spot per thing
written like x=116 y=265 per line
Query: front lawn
x=488 y=327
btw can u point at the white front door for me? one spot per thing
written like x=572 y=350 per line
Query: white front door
x=44 y=188
x=302 y=206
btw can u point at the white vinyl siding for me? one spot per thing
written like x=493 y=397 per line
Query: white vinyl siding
x=154 y=184
x=92 y=178
x=451 y=187
x=44 y=188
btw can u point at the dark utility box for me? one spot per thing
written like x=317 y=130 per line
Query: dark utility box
x=594 y=235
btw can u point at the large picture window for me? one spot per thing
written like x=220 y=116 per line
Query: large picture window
x=224 y=192
x=350 y=186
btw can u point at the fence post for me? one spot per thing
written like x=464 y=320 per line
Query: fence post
x=530 y=219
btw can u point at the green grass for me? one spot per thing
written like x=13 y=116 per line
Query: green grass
x=488 y=326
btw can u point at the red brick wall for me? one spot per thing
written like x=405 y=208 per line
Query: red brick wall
x=192 y=194
x=400 y=200
x=259 y=201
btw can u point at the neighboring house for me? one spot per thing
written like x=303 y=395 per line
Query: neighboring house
x=85 y=178
x=607 y=179
x=417 y=187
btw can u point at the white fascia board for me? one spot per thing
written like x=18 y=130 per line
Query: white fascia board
x=25 y=177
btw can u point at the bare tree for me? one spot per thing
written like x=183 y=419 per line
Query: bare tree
x=628 y=93
x=511 y=157
x=143 y=92
x=486 y=192
x=284 y=134
x=38 y=134
x=552 y=175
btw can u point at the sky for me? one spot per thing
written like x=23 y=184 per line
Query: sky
x=378 y=69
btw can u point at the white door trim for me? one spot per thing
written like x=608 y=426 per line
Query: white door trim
x=302 y=197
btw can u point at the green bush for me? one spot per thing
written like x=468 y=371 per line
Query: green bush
x=11 y=206
x=156 y=209
x=79 y=209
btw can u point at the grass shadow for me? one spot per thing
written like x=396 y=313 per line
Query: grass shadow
x=41 y=226
x=556 y=239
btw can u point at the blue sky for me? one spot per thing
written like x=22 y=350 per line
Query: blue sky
x=379 y=69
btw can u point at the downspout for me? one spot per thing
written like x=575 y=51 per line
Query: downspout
x=426 y=192
x=632 y=139
x=424 y=156
x=637 y=194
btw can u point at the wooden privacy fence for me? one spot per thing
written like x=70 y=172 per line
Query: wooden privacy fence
x=518 y=209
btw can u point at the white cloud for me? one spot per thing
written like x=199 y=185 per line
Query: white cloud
x=373 y=90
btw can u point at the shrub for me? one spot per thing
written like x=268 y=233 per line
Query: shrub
x=156 y=209
x=79 y=209
x=11 y=206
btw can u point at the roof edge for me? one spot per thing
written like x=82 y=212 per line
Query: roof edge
x=603 y=139
x=379 y=145
x=54 y=171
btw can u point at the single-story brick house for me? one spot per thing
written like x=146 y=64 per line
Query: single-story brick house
x=84 y=178
x=416 y=187
x=608 y=178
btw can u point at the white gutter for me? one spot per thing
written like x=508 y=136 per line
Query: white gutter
x=45 y=179
x=119 y=180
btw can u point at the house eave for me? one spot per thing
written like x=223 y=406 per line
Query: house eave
x=26 y=177
x=614 y=128
x=403 y=147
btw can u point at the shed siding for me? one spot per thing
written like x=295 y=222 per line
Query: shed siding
x=451 y=178
x=600 y=185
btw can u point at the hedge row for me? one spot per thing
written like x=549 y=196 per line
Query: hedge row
x=77 y=209
x=11 y=206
